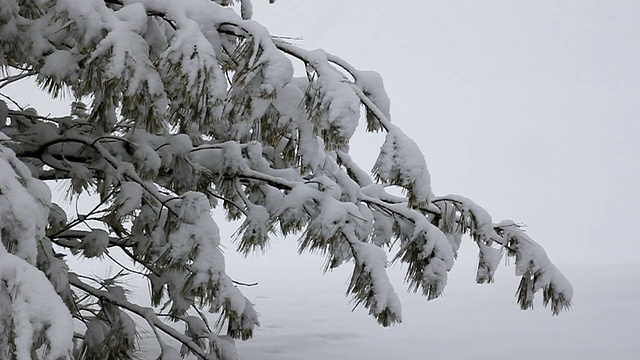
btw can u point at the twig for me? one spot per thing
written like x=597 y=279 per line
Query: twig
x=12 y=101
x=143 y=312
x=11 y=79
x=124 y=267
x=244 y=284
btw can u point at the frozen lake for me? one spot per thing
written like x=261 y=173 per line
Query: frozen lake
x=306 y=316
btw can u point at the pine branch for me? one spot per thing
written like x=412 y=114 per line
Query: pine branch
x=146 y=313
x=79 y=234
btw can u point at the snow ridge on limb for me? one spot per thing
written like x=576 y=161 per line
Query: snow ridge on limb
x=32 y=314
x=537 y=271
x=373 y=87
x=401 y=163
x=370 y=284
x=23 y=199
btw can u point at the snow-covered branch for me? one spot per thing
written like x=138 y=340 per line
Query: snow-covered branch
x=146 y=313
x=192 y=105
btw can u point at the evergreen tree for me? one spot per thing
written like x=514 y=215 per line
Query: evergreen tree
x=194 y=107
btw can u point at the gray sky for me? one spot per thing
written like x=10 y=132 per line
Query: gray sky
x=528 y=108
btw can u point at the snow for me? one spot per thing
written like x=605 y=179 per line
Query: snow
x=129 y=198
x=96 y=332
x=233 y=159
x=23 y=217
x=489 y=259
x=537 y=271
x=374 y=263
x=8 y=11
x=156 y=38
x=225 y=346
x=481 y=218
x=382 y=229
x=134 y=17
x=88 y=16
x=401 y=163
x=95 y=243
x=278 y=68
x=60 y=65
x=289 y=99
x=341 y=104
x=180 y=145
x=254 y=231
x=37 y=309
x=438 y=255
x=43 y=132
x=147 y=161
x=372 y=85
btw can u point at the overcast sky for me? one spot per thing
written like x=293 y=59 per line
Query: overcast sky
x=530 y=109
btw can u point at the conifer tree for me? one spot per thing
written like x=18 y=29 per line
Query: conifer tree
x=186 y=106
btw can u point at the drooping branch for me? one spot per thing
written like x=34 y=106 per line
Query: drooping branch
x=311 y=60
x=146 y=313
